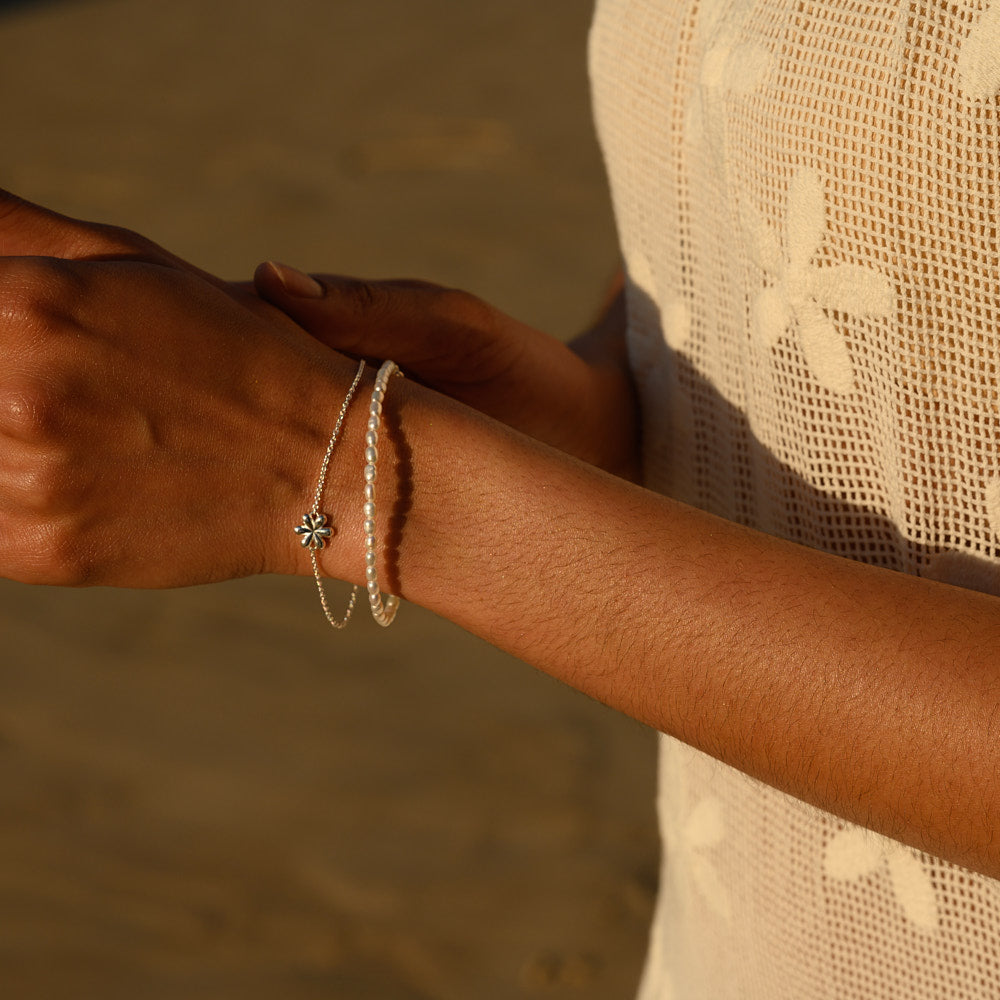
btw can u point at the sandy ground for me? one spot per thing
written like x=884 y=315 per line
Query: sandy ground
x=206 y=793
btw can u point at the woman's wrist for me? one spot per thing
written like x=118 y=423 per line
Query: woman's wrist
x=305 y=437
x=415 y=475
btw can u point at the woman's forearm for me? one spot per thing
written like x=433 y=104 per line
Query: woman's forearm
x=865 y=692
x=159 y=429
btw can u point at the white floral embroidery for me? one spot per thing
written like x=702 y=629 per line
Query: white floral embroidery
x=704 y=829
x=979 y=59
x=991 y=499
x=729 y=66
x=732 y=66
x=800 y=291
x=675 y=315
x=676 y=323
x=966 y=567
x=855 y=853
x=690 y=834
x=640 y=272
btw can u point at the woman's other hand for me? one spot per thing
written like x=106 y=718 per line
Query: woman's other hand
x=459 y=345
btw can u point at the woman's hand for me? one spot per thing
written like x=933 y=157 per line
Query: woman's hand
x=157 y=427
x=459 y=345
x=155 y=430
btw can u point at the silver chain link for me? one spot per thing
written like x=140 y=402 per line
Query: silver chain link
x=318 y=499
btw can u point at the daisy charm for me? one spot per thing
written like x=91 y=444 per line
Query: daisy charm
x=314 y=530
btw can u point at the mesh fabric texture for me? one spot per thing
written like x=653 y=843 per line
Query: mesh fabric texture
x=807 y=197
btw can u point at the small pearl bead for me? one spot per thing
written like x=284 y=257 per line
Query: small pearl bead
x=371 y=439
x=370 y=542
x=370 y=558
x=369 y=510
x=375 y=409
x=371 y=573
x=373 y=424
x=371 y=455
x=370 y=474
x=378 y=394
x=370 y=492
x=369 y=528
x=372 y=587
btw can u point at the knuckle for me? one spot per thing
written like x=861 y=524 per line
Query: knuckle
x=466 y=309
x=67 y=562
x=35 y=290
x=108 y=239
x=46 y=485
x=50 y=552
x=475 y=328
x=31 y=411
x=61 y=284
x=366 y=297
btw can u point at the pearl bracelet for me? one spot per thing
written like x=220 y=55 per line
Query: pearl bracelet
x=383 y=611
x=314 y=530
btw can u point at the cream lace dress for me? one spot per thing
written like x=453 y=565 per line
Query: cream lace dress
x=807 y=194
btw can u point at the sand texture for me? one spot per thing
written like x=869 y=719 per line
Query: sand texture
x=207 y=793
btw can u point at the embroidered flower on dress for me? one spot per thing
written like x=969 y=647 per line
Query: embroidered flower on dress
x=799 y=290
x=979 y=59
x=705 y=829
x=991 y=498
x=693 y=825
x=729 y=66
x=676 y=323
x=967 y=567
x=674 y=316
x=854 y=853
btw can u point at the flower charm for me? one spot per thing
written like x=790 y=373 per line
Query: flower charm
x=314 y=531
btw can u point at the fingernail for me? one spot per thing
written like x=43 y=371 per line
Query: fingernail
x=300 y=285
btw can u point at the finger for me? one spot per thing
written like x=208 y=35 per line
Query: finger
x=328 y=310
x=441 y=335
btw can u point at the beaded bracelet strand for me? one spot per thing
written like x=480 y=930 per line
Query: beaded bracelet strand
x=383 y=611
x=314 y=530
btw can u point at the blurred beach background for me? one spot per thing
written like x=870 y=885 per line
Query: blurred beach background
x=207 y=793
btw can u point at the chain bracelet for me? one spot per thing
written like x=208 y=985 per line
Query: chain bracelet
x=315 y=529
